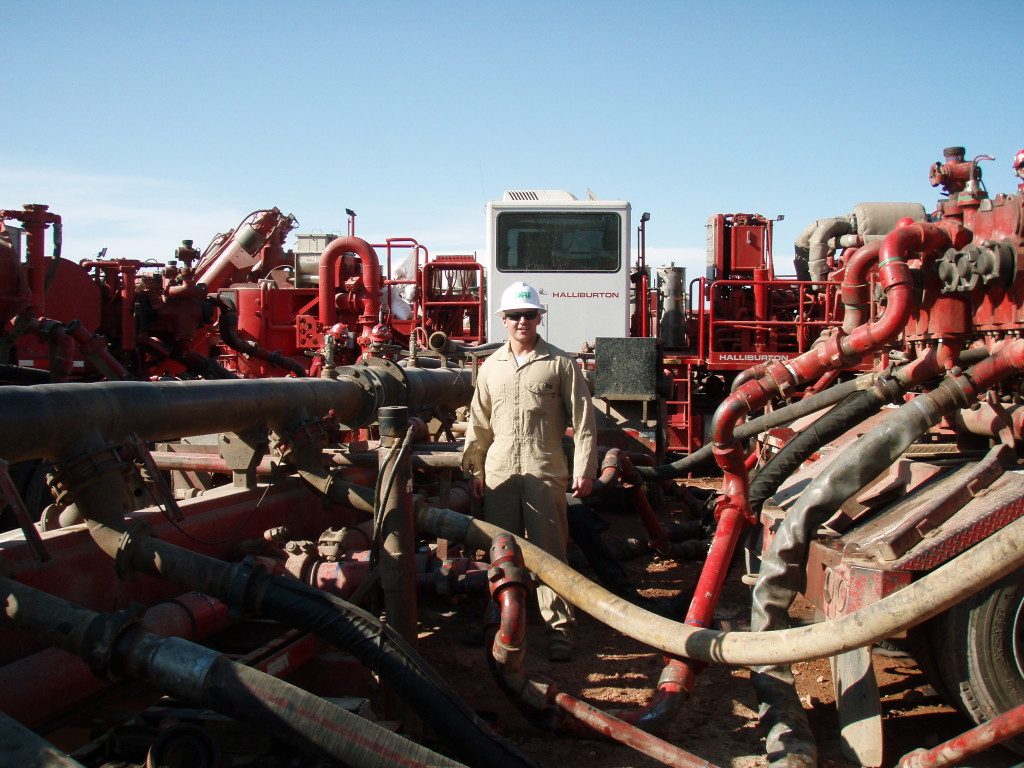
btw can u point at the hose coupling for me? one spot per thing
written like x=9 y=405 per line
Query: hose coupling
x=102 y=637
x=310 y=435
x=72 y=475
x=507 y=568
x=674 y=676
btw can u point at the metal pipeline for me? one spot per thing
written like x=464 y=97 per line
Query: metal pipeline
x=116 y=646
x=307 y=459
x=424 y=456
x=393 y=522
x=46 y=421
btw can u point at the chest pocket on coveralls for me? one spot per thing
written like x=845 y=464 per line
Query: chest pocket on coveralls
x=540 y=403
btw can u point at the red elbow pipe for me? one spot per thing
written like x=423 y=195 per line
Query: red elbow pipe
x=611 y=469
x=370 y=275
x=508 y=580
x=855 y=284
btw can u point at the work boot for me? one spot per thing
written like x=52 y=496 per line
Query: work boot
x=559 y=647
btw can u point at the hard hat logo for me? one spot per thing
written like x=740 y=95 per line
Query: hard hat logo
x=520 y=295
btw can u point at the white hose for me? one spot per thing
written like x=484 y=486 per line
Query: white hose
x=986 y=562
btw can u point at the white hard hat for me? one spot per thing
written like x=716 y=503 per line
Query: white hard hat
x=520 y=295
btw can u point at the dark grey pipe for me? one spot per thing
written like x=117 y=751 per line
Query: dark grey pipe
x=23 y=748
x=51 y=421
x=115 y=646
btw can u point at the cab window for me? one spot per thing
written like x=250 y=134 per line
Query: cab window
x=558 y=242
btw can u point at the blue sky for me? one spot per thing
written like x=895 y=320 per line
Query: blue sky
x=144 y=123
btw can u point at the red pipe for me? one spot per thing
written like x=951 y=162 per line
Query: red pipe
x=712 y=576
x=657 y=535
x=62 y=349
x=94 y=347
x=508 y=578
x=128 y=307
x=611 y=727
x=854 y=290
x=984 y=375
x=126 y=270
x=611 y=469
x=36 y=219
x=617 y=466
x=371 y=281
x=782 y=378
x=972 y=742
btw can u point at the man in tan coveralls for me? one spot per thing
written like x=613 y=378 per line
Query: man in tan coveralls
x=527 y=393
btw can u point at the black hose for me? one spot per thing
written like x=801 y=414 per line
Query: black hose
x=287 y=711
x=399 y=667
x=777 y=418
x=377 y=646
x=115 y=645
x=228 y=329
x=839 y=420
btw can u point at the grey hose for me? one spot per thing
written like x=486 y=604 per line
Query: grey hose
x=782 y=573
x=986 y=562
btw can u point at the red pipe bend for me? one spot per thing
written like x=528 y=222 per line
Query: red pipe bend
x=371 y=280
x=856 y=296
x=838 y=351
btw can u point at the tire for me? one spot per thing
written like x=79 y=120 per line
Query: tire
x=974 y=652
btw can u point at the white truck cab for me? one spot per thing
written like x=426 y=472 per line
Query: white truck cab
x=574 y=252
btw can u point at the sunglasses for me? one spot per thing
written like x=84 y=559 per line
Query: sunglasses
x=515 y=316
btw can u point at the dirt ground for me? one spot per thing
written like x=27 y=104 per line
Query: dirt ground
x=719 y=724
